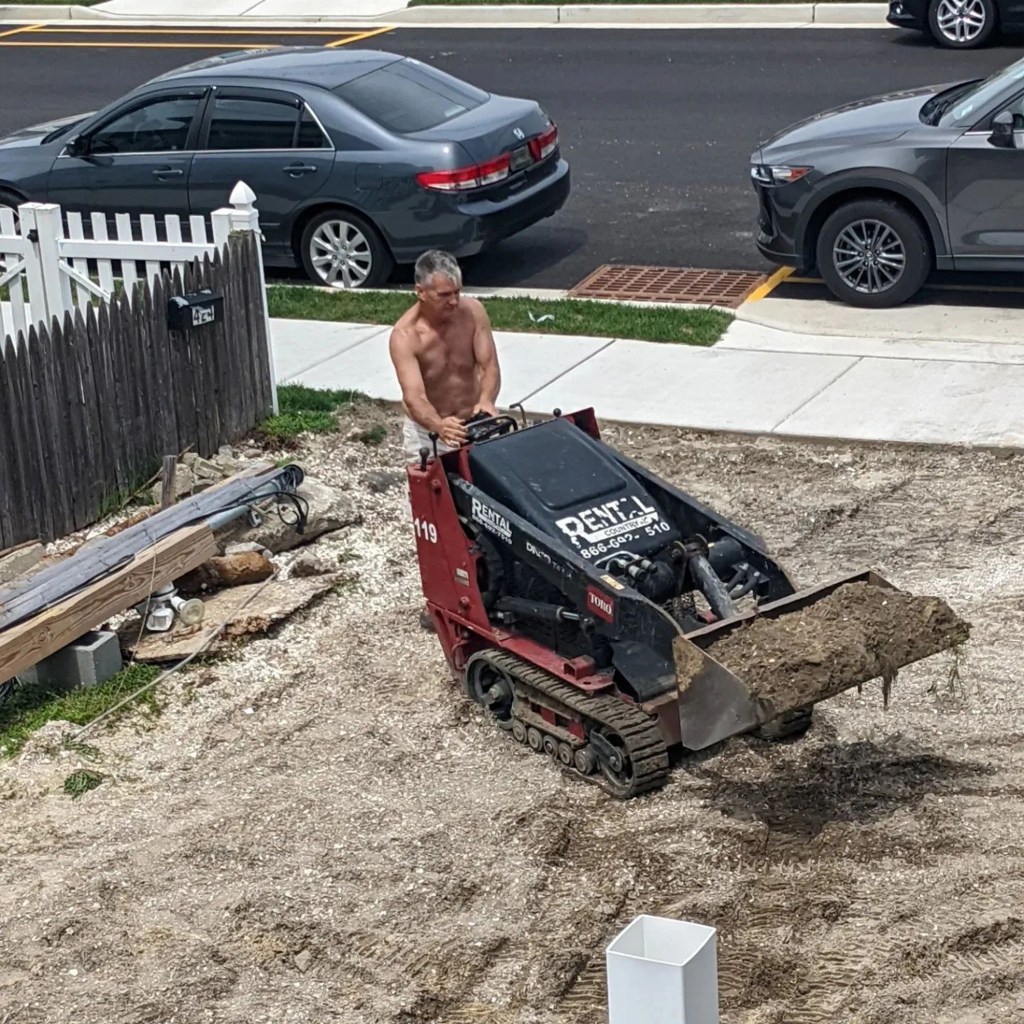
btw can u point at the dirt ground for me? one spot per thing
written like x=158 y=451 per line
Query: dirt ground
x=321 y=830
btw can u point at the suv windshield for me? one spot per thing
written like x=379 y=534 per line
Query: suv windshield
x=980 y=94
x=410 y=97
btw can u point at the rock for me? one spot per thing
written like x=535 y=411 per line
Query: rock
x=225 y=451
x=329 y=510
x=241 y=549
x=227 y=571
x=303 y=960
x=252 y=453
x=20 y=560
x=308 y=565
x=383 y=480
x=204 y=469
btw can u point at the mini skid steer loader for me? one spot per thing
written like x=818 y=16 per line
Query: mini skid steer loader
x=576 y=596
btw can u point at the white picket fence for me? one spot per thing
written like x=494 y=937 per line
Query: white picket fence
x=50 y=264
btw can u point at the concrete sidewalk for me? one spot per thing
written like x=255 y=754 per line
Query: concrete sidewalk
x=396 y=12
x=758 y=379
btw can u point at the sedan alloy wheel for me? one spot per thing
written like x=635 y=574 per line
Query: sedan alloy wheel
x=342 y=250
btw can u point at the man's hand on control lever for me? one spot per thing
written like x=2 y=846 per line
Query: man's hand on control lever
x=452 y=432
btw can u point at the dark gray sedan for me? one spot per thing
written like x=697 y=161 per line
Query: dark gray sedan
x=877 y=193
x=359 y=159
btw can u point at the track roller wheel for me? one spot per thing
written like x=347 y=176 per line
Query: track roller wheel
x=551 y=746
x=534 y=738
x=565 y=754
x=584 y=760
x=519 y=731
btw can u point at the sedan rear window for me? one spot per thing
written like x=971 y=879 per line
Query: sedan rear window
x=409 y=97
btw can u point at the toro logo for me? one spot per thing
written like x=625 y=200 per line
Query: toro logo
x=600 y=604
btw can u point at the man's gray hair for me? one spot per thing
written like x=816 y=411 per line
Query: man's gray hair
x=436 y=261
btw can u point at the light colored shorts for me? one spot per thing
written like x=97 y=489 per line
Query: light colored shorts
x=415 y=437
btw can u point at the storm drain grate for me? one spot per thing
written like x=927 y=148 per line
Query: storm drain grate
x=668 y=284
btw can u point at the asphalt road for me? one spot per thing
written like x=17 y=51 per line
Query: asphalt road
x=657 y=125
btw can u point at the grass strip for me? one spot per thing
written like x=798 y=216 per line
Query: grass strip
x=305 y=410
x=32 y=705
x=567 y=316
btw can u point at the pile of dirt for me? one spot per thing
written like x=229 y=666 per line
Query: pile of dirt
x=857 y=633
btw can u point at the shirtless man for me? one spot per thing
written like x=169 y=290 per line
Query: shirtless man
x=443 y=352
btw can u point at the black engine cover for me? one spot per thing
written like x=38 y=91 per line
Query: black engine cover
x=571 y=487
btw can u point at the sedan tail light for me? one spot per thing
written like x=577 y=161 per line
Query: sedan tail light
x=463 y=178
x=544 y=145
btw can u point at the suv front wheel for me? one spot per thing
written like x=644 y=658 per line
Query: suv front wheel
x=873 y=253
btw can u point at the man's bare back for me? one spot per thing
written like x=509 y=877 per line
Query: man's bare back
x=444 y=354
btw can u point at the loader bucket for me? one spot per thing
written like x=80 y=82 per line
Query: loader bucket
x=745 y=671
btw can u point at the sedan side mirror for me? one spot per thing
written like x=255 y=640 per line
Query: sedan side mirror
x=1006 y=129
x=78 y=146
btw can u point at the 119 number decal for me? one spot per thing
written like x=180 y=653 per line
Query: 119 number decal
x=428 y=531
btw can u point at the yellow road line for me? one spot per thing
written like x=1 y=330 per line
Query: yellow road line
x=360 y=36
x=16 y=31
x=57 y=31
x=771 y=284
x=147 y=46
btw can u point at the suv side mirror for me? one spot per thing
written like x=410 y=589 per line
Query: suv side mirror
x=1005 y=129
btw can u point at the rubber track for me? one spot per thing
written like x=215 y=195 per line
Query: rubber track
x=639 y=731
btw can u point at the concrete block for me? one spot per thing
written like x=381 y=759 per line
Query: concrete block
x=91 y=659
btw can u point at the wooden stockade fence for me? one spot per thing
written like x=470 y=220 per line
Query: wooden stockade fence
x=89 y=405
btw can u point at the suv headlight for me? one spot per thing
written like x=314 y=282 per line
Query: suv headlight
x=785 y=175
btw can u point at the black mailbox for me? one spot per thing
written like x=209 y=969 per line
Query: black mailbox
x=186 y=312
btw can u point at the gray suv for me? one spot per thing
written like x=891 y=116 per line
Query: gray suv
x=877 y=193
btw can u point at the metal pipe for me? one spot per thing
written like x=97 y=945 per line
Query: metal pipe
x=712 y=587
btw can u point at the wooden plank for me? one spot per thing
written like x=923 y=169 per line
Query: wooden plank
x=167 y=482
x=10 y=527
x=181 y=377
x=48 y=363
x=92 y=471
x=76 y=418
x=237 y=344
x=34 y=406
x=166 y=411
x=27 y=643
x=98 y=328
x=255 y=288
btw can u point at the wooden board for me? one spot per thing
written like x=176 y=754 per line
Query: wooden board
x=28 y=642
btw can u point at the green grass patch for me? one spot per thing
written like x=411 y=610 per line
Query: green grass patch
x=569 y=316
x=31 y=706
x=305 y=410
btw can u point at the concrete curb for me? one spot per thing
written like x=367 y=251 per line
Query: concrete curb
x=795 y=15
x=39 y=13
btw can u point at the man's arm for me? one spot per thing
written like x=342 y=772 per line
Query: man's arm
x=486 y=355
x=414 y=393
